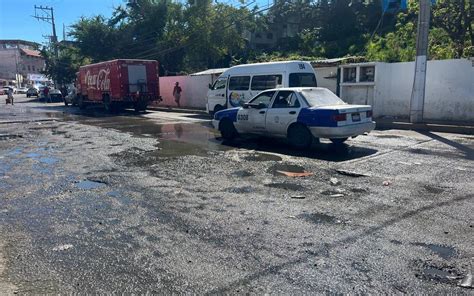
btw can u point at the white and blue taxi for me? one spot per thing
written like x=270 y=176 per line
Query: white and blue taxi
x=299 y=114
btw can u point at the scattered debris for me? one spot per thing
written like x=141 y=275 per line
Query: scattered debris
x=63 y=247
x=387 y=183
x=298 y=197
x=293 y=174
x=337 y=195
x=351 y=174
x=334 y=181
x=466 y=282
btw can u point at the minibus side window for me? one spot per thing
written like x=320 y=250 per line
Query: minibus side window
x=302 y=80
x=263 y=82
x=239 y=83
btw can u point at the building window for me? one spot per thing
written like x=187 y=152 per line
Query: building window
x=367 y=74
x=24 y=68
x=33 y=67
x=258 y=35
x=349 y=74
x=29 y=68
x=270 y=36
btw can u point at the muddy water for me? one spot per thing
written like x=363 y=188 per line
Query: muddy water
x=181 y=135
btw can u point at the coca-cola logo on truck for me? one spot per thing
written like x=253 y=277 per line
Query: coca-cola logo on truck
x=100 y=81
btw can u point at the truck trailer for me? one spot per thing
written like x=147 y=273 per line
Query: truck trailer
x=118 y=84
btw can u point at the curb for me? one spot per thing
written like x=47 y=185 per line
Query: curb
x=444 y=128
x=177 y=110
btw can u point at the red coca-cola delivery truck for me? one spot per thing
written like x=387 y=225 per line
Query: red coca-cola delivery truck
x=118 y=84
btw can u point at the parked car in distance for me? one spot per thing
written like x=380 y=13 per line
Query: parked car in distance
x=6 y=88
x=55 y=95
x=32 y=92
x=71 y=97
x=298 y=114
x=22 y=90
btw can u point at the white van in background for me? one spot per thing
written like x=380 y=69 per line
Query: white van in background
x=239 y=84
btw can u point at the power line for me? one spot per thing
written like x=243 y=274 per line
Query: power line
x=47 y=15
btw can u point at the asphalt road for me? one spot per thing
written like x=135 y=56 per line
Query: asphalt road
x=157 y=203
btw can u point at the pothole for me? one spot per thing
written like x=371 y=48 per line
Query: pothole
x=286 y=186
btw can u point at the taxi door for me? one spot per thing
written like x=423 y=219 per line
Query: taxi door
x=284 y=110
x=251 y=119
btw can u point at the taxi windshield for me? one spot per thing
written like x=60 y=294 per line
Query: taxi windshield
x=321 y=97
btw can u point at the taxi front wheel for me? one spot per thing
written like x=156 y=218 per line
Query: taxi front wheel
x=227 y=129
x=299 y=136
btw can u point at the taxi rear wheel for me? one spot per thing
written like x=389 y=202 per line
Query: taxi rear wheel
x=227 y=129
x=338 y=141
x=299 y=136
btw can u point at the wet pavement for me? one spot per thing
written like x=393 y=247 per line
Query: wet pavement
x=156 y=202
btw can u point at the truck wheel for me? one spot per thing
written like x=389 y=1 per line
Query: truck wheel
x=140 y=106
x=227 y=129
x=338 y=141
x=80 y=103
x=108 y=105
x=299 y=136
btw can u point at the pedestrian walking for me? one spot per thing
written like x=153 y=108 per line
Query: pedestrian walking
x=177 y=93
x=46 y=94
x=10 y=96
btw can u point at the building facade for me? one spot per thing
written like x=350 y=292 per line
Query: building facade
x=20 y=63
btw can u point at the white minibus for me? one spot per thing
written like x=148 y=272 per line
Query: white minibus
x=237 y=85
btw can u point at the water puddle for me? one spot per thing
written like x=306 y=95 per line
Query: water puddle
x=440 y=274
x=286 y=186
x=48 y=160
x=444 y=252
x=433 y=189
x=4 y=137
x=262 y=157
x=319 y=218
x=243 y=174
x=88 y=184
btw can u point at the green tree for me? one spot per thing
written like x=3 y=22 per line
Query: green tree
x=63 y=70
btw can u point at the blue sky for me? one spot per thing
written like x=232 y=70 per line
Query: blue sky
x=16 y=21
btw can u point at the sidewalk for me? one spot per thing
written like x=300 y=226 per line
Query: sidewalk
x=445 y=127
x=178 y=110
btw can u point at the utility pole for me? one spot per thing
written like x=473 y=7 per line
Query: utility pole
x=419 y=81
x=48 y=16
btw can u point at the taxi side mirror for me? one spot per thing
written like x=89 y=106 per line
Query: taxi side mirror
x=210 y=86
x=245 y=106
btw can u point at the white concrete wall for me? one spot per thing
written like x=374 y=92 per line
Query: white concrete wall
x=449 y=90
x=194 y=90
x=322 y=72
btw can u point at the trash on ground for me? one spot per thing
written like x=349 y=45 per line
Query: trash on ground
x=293 y=174
x=351 y=174
x=337 y=195
x=334 y=181
x=63 y=247
x=298 y=197
x=466 y=282
x=387 y=183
